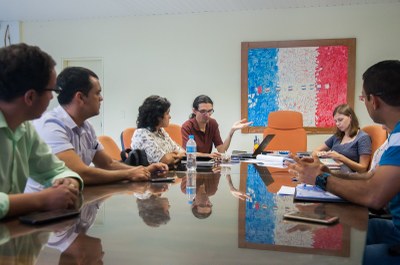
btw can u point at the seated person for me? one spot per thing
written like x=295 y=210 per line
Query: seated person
x=349 y=144
x=27 y=80
x=205 y=129
x=72 y=138
x=381 y=96
x=150 y=135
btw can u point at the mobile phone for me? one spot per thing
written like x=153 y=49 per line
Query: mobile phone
x=48 y=216
x=321 y=218
x=162 y=179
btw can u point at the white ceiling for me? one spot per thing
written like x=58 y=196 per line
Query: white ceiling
x=28 y=10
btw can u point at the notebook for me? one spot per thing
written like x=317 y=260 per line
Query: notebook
x=259 y=149
x=313 y=193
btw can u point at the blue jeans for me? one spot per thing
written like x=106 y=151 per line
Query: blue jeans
x=382 y=234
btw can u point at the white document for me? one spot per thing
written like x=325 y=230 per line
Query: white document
x=286 y=190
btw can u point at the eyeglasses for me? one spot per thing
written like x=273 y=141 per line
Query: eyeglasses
x=57 y=89
x=203 y=111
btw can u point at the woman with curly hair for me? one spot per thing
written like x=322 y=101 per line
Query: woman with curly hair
x=150 y=135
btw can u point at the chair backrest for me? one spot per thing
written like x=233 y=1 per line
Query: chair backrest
x=378 y=136
x=110 y=147
x=126 y=137
x=289 y=131
x=174 y=131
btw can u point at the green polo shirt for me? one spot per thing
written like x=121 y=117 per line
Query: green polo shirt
x=23 y=154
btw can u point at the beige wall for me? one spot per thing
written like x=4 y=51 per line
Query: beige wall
x=182 y=56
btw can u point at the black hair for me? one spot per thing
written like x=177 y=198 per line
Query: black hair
x=23 y=67
x=151 y=112
x=200 y=100
x=383 y=80
x=152 y=211
x=72 y=80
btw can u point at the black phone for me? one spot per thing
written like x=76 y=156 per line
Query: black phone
x=321 y=218
x=48 y=216
x=162 y=179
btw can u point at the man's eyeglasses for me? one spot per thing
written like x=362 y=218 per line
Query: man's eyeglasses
x=203 y=111
x=57 y=89
x=362 y=97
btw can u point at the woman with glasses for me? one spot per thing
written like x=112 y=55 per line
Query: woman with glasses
x=206 y=130
x=349 y=145
x=150 y=135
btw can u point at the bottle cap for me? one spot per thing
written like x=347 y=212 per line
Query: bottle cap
x=191 y=136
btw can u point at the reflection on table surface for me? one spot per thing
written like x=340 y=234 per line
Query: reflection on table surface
x=229 y=215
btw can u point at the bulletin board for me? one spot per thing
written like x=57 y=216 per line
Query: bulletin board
x=309 y=76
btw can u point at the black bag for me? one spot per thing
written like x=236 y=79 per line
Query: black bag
x=135 y=157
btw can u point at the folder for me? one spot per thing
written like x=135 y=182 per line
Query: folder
x=313 y=193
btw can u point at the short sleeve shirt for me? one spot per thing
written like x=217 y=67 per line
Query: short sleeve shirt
x=204 y=140
x=61 y=133
x=155 y=144
x=391 y=157
x=361 y=145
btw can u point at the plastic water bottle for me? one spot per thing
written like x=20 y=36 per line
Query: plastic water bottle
x=191 y=186
x=191 y=154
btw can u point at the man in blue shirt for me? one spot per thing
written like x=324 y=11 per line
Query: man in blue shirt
x=381 y=95
x=27 y=80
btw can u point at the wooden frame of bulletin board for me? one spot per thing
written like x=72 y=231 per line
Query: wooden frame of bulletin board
x=309 y=76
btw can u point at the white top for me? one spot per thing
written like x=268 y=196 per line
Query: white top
x=155 y=144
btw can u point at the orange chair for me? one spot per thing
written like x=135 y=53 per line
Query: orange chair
x=378 y=136
x=126 y=137
x=289 y=131
x=110 y=147
x=174 y=131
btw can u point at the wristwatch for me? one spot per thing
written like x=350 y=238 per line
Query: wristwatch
x=322 y=180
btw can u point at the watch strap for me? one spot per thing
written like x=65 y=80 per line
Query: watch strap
x=321 y=180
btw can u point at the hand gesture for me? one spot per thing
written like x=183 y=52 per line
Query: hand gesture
x=307 y=169
x=240 y=195
x=240 y=124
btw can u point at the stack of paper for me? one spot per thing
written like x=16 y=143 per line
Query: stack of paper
x=274 y=159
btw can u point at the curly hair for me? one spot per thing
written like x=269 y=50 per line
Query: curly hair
x=72 y=80
x=383 y=80
x=151 y=112
x=152 y=211
x=23 y=67
x=346 y=110
x=200 y=100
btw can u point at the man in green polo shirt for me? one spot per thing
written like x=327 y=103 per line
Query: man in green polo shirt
x=27 y=81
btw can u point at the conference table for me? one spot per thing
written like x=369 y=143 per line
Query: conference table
x=236 y=217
